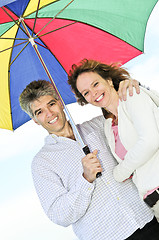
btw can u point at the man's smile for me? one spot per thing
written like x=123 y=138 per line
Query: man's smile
x=53 y=120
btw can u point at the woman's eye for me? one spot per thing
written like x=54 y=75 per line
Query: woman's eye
x=95 y=84
x=85 y=94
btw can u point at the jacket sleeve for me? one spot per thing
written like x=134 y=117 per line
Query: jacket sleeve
x=141 y=112
x=63 y=207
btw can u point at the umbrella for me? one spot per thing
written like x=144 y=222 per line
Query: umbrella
x=60 y=33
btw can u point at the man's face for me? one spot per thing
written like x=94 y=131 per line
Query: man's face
x=48 y=112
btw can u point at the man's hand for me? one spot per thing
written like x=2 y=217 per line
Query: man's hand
x=91 y=166
x=128 y=84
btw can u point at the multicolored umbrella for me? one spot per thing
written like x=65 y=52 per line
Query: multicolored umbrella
x=63 y=32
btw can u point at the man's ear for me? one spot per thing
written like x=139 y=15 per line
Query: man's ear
x=35 y=121
x=60 y=103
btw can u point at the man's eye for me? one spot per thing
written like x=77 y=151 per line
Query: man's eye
x=52 y=103
x=38 y=113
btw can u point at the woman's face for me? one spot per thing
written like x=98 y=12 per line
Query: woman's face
x=95 y=89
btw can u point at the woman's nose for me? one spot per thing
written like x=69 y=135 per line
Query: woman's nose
x=94 y=92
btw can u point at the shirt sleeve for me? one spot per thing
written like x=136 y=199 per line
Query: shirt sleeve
x=63 y=207
x=141 y=112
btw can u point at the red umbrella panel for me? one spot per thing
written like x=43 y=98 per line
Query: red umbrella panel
x=63 y=32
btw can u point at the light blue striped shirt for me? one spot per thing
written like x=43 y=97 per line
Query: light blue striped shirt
x=102 y=210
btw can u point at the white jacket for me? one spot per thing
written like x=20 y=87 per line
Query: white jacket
x=138 y=128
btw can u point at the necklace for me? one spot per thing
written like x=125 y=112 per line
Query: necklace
x=115 y=120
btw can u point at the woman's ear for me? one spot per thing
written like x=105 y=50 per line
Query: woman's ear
x=110 y=82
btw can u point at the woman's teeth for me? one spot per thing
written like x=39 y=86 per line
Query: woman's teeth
x=98 y=99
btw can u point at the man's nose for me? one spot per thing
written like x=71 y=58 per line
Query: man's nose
x=48 y=112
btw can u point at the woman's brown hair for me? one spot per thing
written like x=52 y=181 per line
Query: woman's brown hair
x=113 y=71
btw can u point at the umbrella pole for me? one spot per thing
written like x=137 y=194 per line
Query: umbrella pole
x=77 y=135
x=31 y=40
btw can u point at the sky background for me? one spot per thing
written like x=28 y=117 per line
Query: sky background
x=21 y=215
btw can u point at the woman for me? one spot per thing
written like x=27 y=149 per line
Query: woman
x=131 y=127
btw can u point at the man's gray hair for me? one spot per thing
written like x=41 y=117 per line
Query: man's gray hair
x=34 y=91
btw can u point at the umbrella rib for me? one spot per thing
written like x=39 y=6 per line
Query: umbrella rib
x=35 y=17
x=55 y=17
x=19 y=53
x=55 y=30
x=13 y=46
x=14 y=20
x=40 y=44
x=14 y=38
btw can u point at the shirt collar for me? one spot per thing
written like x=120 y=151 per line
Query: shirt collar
x=53 y=139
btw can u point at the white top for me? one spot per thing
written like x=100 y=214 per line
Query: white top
x=138 y=128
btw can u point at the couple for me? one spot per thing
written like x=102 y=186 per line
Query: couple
x=65 y=179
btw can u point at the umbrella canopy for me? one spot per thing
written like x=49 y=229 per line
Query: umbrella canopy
x=64 y=32
x=5 y=2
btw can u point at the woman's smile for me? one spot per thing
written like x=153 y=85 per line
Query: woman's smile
x=99 y=98
x=94 y=88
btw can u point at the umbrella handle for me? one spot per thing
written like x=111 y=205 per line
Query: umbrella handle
x=86 y=151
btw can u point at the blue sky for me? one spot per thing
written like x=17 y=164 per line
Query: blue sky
x=21 y=214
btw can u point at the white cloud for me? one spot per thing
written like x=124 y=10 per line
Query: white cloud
x=147 y=73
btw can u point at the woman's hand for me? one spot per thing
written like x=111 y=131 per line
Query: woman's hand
x=130 y=83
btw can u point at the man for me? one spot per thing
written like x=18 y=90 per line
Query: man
x=65 y=179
